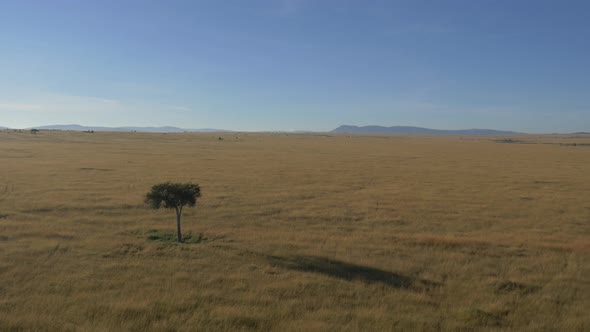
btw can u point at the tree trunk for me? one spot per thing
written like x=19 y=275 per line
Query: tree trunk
x=178 y=213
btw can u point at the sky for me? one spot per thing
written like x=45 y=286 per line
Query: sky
x=266 y=65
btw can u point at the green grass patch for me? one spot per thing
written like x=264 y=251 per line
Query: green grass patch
x=171 y=237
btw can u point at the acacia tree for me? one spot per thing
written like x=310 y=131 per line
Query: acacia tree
x=174 y=196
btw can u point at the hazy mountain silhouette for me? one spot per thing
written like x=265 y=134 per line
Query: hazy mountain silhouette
x=140 y=129
x=418 y=130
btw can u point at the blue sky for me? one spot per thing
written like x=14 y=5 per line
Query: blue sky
x=297 y=64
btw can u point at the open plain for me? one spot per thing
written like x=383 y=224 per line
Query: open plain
x=299 y=232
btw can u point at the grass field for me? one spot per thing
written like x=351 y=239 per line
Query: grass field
x=299 y=233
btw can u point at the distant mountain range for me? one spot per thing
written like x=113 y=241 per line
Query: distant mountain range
x=418 y=130
x=341 y=129
x=128 y=129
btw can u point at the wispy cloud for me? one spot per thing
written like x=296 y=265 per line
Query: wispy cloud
x=63 y=103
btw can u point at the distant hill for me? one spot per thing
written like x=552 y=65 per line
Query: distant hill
x=127 y=129
x=418 y=130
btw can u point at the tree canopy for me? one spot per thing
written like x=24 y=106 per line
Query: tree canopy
x=173 y=195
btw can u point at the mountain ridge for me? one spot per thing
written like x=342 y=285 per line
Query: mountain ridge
x=418 y=130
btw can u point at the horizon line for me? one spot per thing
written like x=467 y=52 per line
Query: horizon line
x=209 y=129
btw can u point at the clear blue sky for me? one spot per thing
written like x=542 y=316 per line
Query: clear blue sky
x=297 y=64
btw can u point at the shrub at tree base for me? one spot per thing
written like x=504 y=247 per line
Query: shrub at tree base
x=165 y=237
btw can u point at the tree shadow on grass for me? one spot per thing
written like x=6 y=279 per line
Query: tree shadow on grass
x=351 y=272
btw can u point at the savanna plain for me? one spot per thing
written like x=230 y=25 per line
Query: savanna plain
x=295 y=232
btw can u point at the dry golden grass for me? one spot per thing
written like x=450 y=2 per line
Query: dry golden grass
x=303 y=233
